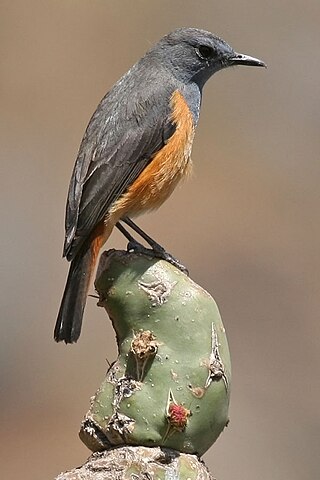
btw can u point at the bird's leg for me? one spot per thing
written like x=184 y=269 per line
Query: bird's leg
x=153 y=244
x=125 y=232
x=133 y=244
x=156 y=249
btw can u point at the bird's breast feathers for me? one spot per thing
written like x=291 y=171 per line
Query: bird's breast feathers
x=169 y=165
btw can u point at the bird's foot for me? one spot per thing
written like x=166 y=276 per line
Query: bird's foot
x=156 y=252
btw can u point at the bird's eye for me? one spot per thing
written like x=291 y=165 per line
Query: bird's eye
x=205 y=52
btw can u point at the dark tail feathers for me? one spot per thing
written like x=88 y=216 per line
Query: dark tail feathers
x=69 y=321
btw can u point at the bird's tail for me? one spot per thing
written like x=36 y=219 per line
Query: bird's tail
x=69 y=321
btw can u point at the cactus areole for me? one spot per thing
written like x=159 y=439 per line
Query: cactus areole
x=170 y=385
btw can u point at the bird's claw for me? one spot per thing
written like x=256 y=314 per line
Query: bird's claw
x=158 y=252
x=174 y=261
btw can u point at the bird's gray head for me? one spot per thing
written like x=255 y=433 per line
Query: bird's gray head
x=193 y=55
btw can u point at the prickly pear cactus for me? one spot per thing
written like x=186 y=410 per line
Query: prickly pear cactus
x=170 y=384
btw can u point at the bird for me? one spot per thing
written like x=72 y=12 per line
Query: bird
x=135 y=150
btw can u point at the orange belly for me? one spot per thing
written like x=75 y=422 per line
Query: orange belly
x=168 y=166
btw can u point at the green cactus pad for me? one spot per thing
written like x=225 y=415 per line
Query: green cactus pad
x=170 y=385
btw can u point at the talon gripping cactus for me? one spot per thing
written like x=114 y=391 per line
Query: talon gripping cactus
x=170 y=384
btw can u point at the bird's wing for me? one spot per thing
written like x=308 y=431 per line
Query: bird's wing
x=119 y=142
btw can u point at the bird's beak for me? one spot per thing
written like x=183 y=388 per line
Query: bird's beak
x=241 y=59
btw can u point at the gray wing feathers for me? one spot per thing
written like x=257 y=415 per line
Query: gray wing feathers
x=131 y=123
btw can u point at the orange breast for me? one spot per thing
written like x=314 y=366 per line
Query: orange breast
x=158 y=180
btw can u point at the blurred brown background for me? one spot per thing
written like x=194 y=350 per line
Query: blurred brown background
x=247 y=224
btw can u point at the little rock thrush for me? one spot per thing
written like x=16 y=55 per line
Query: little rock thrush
x=135 y=150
